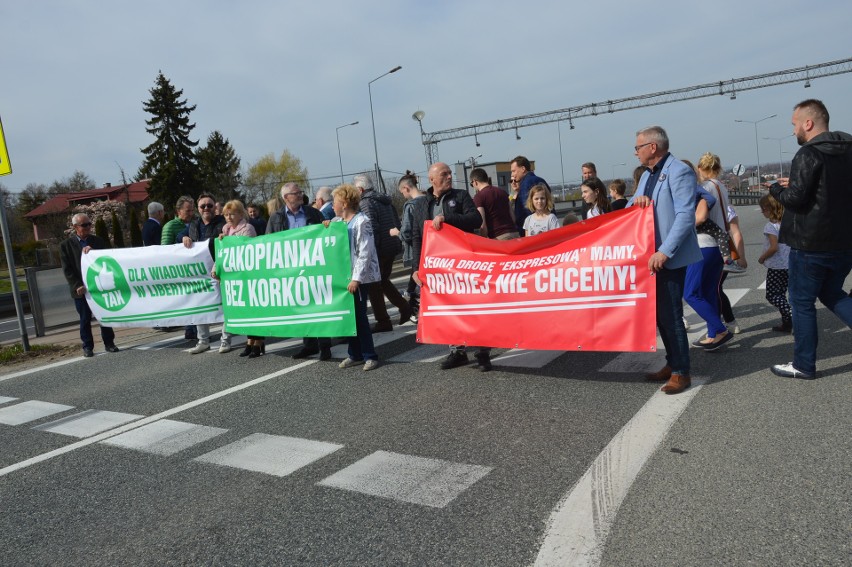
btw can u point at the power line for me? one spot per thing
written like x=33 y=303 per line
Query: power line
x=721 y=88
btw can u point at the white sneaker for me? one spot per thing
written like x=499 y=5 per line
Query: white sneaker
x=199 y=348
x=224 y=347
x=370 y=365
x=349 y=363
x=733 y=327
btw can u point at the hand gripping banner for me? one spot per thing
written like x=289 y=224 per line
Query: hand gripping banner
x=288 y=284
x=150 y=286
x=585 y=286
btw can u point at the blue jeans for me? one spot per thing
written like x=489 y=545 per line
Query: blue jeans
x=816 y=275
x=361 y=346
x=107 y=334
x=670 y=318
x=701 y=289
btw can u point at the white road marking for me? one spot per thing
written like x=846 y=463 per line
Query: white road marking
x=579 y=525
x=87 y=423
x=5 y=399
x=270 y=454
x=417 y=480
x=167 y=413
x=164 y=437
x=30 y=411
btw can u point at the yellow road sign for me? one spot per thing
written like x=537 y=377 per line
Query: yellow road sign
x=5 y=165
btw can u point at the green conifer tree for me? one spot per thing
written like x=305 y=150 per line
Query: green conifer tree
x=135 y=231
x=101 y=230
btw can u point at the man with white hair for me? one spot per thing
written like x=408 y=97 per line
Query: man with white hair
x=324 y=203
x=383 y=218
x=295 y=214
x=152 y=229
x=70 y=252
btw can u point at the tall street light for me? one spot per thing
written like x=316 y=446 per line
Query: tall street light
x=373 y=120
x=780 y=157
x=613 y=168
x=339 y=157
x=756 y=146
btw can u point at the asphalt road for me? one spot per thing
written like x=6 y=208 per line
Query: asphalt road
x=280 y=462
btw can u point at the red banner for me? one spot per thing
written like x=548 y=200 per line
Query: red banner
x=585 y=286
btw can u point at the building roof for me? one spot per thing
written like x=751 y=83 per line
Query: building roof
x=133 y=192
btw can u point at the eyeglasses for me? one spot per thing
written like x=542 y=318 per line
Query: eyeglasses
x=85 y=224
x=295 y=193
x=637 y=148
x=206 y=206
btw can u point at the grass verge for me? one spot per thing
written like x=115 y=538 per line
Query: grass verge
x=15 y=353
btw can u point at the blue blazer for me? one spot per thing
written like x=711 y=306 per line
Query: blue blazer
x=674 y=213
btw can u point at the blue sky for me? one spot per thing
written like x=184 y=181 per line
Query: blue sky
x=273 y=75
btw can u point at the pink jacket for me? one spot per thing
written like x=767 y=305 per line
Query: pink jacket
x=242 y=229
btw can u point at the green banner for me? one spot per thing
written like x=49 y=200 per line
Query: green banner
x=287 y=284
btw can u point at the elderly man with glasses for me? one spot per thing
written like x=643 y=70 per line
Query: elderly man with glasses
x=295 y=214
x=207 y=227
x=70 y=252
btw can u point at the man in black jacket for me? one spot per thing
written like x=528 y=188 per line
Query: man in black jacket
x=207 y=227
x=70 y=252
x=152 y=228
x=296 y=214
x=817 y=198
x=443 y=204
x=383 y=218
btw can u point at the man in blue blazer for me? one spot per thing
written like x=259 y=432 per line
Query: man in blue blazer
x=669 y=185
x=152 y=228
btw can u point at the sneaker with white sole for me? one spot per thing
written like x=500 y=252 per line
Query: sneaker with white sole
x=224 y=347
x=349 y=363
x=733 y=327
x=790 y=371
x=371 y=365
x=199 y=348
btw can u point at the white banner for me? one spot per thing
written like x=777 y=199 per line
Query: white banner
x=152 y=286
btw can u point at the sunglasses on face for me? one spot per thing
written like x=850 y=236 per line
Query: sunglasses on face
x=85 y=224
x=206 y=206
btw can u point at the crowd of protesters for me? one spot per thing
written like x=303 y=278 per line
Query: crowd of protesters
x=697 y=242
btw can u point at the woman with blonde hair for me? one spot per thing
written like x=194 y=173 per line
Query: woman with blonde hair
x=365 y=271
x=701 y=287
x=236 y=224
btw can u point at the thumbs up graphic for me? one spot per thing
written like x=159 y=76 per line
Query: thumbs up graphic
x=105 y=280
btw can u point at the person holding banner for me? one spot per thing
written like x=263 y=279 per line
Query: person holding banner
x=365 y=271
x=206 y=227
x=669 y=186
x=236 y=224
x=294 y=213
x=70 y=252
x=443 y=204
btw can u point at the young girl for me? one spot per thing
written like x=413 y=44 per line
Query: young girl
x=365 y=271
x=774 y=257
x=540 y=203
x=594 y=194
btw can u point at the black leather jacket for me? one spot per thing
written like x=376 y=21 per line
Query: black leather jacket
x=818 y=199
x=459 y=211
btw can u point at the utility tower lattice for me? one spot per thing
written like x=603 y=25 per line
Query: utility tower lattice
x=730 y=87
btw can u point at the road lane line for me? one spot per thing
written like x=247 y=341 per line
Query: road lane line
x=579 y=525
x=145 y=421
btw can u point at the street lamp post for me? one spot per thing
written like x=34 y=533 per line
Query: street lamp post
x=756 y=146
x=613 y=168
x=339 y=157
x=373 y=120
x=780 y=157
x=561 y=161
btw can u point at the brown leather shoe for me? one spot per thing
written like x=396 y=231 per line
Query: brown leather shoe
x=661 y=375
x=676 y=384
